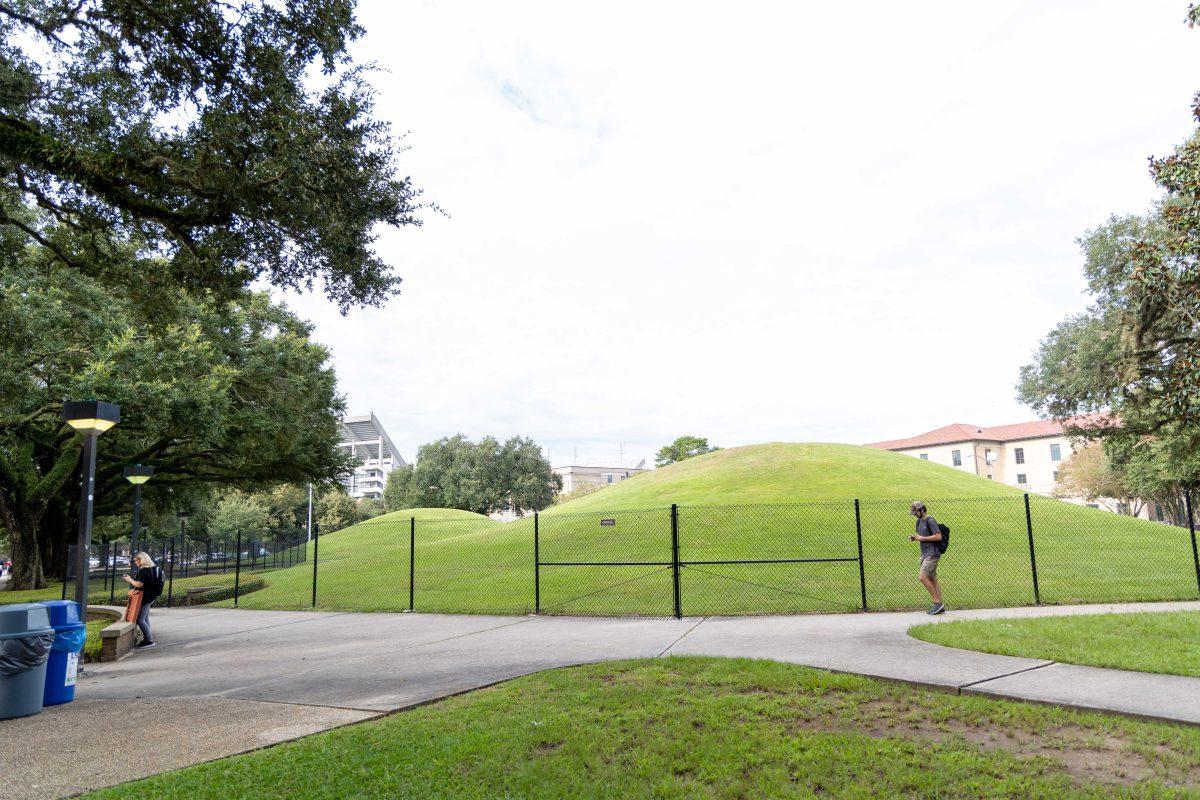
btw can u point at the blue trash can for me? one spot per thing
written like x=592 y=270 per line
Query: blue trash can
x=25 y=640
x=63 y=666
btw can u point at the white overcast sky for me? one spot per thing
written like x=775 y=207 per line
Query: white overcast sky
x=753 y=222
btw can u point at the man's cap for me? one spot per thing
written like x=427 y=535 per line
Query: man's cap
x=916 y=506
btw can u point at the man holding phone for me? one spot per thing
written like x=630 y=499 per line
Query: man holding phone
x=929 y=535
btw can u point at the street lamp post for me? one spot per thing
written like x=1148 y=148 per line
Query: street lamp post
x=91 y=418
x=137 y=475
x=183 y=515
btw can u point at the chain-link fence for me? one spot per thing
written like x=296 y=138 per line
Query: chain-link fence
x=196 y=569
x=693 y=560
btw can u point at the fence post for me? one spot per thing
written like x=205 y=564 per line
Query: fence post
x=675 y=559
x=537 y=565
x=66 y=571
x=1187 y=495
x=1037 y=593
x=862 y=572
x=112 y=584
x=412 y=558
x=237 y=568
x=316 y=540
x=171 y=575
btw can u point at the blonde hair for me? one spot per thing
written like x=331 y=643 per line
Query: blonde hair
x=145 y=558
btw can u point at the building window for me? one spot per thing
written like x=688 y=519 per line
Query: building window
x=924 y=456
x=1055 y=452
x=956 y=457
x=1158 y=512
x=1021 y=478
x=1056 y=476
x=608 y=478
x=1019 y=455
x=989 y=476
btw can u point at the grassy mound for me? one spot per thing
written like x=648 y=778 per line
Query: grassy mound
x=788 y=473
x=431 y=514
x=766 y=502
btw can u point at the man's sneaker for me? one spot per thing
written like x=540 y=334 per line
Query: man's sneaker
x=938 y=608
x=144 y=645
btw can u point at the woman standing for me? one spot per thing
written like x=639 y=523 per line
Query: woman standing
x=148 y=579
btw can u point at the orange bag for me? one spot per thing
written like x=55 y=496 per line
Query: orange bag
x=134 y=605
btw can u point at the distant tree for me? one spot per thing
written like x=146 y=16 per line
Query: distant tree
x=683 y=448
x=396 y=490
x=335 y=510
x=369 y=508
x=484 y=477
x=239 y=511
x=287 y=505
x=1090 y=474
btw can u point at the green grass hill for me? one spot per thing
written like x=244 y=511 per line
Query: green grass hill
x=764 y=502
x=788 y=473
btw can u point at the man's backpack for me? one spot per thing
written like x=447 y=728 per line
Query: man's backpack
x=945 y=542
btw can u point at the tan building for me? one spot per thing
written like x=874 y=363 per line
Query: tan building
x=1027 y=454
x=574 y=476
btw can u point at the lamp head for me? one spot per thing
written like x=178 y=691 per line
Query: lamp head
x=91 y=416
x=137 y=474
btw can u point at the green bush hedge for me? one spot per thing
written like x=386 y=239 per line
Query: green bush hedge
x=249 y=583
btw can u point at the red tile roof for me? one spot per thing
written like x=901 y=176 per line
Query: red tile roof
x=960 y=432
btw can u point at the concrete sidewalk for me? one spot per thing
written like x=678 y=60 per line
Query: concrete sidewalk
x=224 y=681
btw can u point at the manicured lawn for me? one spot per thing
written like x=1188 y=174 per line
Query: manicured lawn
x=710 y=728
x=1166 y=641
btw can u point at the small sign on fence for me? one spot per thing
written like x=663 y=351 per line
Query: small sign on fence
x=607 y=522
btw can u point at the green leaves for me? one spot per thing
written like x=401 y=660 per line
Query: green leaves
x=191 y=126
x=483 y=477
x=682 y=448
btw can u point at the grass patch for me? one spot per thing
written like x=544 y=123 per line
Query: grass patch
x=91 y=645
x=710 y=728
x=1167 y=641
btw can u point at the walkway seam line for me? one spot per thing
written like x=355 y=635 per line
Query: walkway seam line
x=699 y=622
x=1005 y=675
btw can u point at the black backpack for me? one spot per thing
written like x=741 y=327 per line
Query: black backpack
x=153 y=587
x=945 y=542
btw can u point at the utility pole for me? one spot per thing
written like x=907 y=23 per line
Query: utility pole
x=309 y=526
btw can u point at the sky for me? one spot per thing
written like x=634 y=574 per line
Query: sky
x=751 y=222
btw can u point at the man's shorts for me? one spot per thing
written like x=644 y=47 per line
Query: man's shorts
x=929 y=566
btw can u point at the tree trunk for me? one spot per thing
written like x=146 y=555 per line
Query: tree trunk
x=26 y=556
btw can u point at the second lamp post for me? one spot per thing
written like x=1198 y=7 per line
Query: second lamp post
x=137 y=475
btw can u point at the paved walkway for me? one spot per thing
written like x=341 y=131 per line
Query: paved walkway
x=224 y=681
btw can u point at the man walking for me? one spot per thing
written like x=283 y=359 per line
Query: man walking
x=930 y=537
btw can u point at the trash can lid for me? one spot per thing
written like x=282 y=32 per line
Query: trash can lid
x=24 y=618
x=63 y=613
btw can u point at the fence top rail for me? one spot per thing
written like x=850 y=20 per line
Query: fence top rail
x=901 y=504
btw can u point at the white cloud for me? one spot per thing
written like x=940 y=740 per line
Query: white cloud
x=754 y=222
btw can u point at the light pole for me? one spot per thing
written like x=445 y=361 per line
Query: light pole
x=91 y=418
x=137 y=475
x=183 y=516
